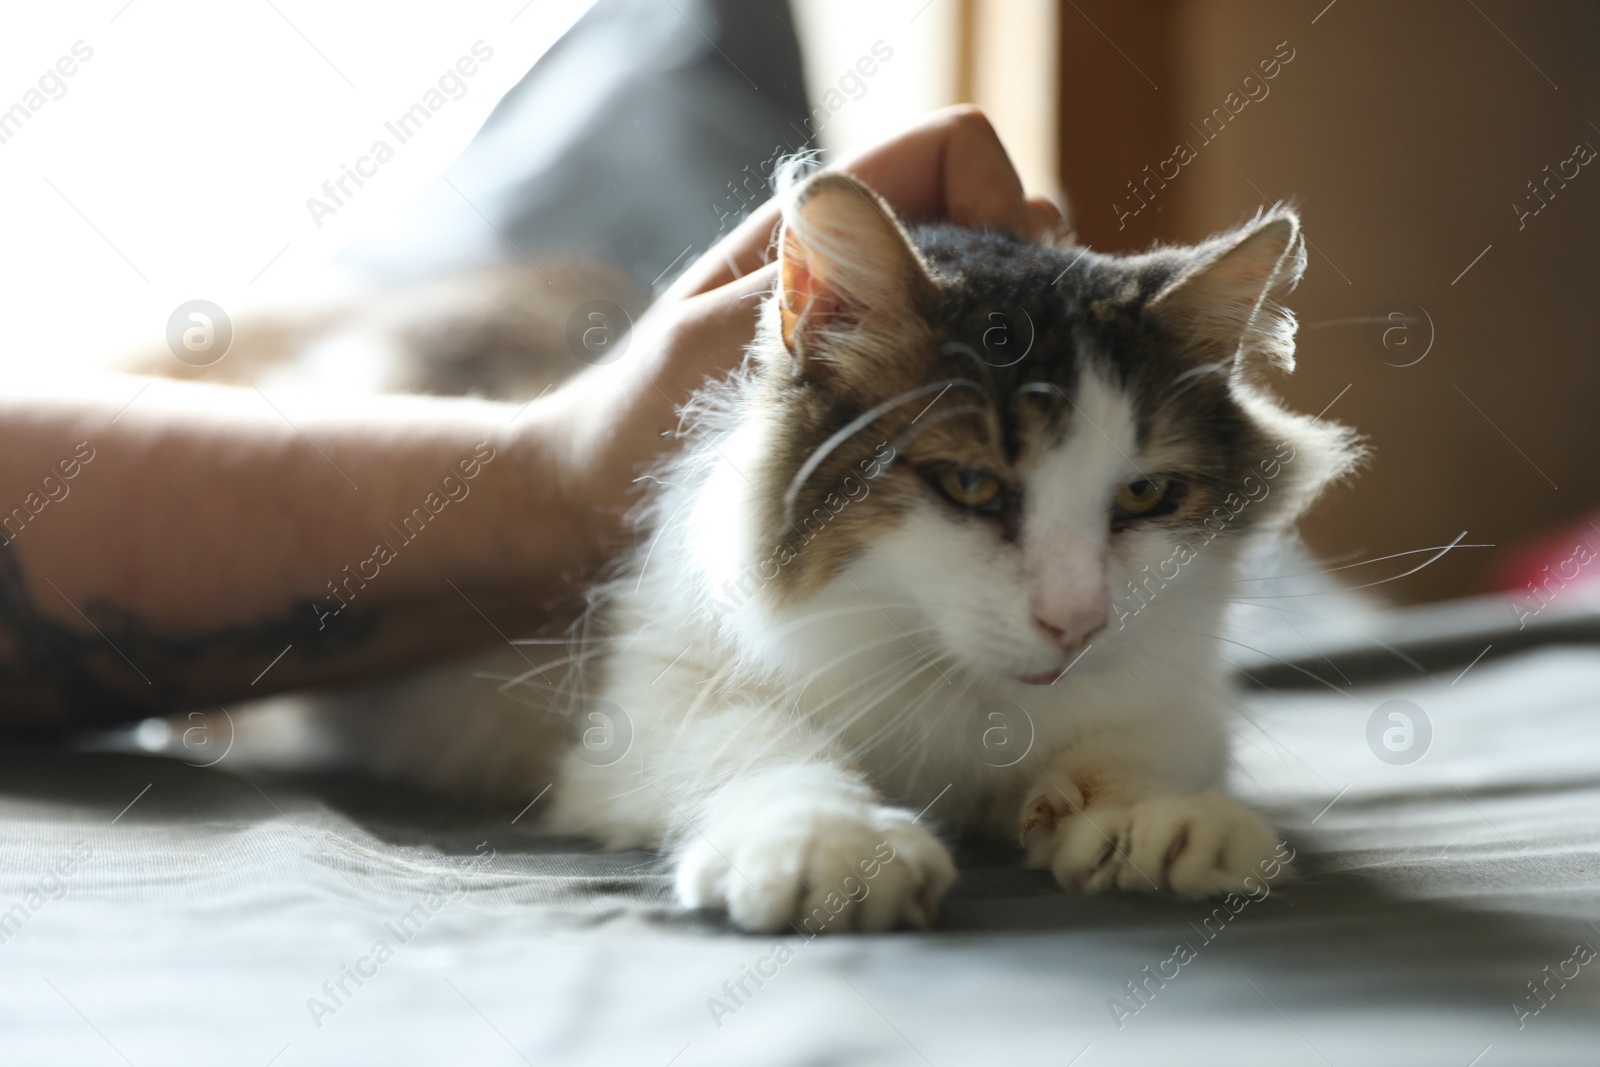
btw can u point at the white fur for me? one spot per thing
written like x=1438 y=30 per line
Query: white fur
x=774 y=747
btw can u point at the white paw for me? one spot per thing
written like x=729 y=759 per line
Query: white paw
x=1197 y=845
x=817 y=866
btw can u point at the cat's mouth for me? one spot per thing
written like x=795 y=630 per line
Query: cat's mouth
x=1054 y=674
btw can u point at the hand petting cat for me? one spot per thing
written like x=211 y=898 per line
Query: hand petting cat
x=950 y=167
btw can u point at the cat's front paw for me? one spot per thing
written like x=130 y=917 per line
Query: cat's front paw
x=1194 y=845
x=815 y=867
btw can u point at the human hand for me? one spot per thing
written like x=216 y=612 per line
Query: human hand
x=613 y=421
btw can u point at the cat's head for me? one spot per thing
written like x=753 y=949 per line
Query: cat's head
x=1015 y=451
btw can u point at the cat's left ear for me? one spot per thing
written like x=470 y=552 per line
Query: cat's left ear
x=846 y=265
x=1223 y=301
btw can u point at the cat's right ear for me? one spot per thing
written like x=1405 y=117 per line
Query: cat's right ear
x=847 y=268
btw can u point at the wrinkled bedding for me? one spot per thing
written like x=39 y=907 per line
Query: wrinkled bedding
x=156 y=913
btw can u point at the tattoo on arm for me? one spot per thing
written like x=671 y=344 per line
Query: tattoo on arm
x=97 y=664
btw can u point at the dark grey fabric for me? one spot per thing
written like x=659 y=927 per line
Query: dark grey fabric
x=631 y=141
x=198 y=923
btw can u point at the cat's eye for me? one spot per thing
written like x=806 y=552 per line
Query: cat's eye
x=976 y=489
x=1145 y=498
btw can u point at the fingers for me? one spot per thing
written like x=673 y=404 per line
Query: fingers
x=705 y=335
x=1046 y=223
x=949 y=166
x=952 y=166
x=746 y=250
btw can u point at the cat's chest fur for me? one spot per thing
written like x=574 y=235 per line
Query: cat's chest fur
x=844 y=676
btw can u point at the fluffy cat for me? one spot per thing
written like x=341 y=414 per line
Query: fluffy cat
x=964 y=485
x=953 y=549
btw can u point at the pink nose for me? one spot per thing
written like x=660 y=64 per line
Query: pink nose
x=1074 y=632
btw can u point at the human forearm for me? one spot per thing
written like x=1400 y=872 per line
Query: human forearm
x=205 y=531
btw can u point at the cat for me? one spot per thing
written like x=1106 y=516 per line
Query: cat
x=950 y=554
x=963 y=484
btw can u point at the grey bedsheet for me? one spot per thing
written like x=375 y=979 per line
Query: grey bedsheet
x=207 y=922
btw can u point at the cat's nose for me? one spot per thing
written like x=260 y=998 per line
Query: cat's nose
x=1074 y=632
